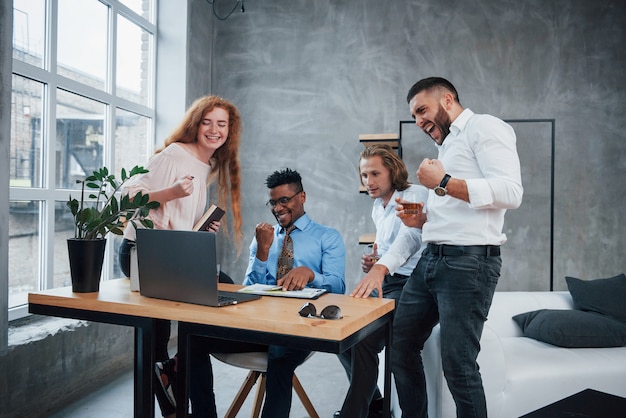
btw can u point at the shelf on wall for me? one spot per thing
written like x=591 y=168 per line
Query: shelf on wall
x=367 y=238
x=393 y=140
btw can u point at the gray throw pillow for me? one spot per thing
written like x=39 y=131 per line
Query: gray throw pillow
x=605 y=296
x=572 y=328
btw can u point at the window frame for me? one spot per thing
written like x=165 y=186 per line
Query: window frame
x=48 y=194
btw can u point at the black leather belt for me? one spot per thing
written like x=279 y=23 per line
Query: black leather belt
x=400 y=276
x=457 y=250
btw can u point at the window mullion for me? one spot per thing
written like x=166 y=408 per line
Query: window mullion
x=112 y=51
x=109 y=125
x=109 y=117
x=134 y=17
x=46 y=262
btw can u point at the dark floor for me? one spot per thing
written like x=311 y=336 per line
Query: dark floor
x=322 y=377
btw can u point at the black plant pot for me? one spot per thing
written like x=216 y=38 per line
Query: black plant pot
x=86 y=258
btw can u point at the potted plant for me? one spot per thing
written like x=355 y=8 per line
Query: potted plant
x=93 y=222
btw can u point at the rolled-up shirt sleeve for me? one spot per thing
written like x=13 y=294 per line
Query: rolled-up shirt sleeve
x=494 y=145
x=407 y=243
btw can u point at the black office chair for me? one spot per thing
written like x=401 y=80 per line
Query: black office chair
x=224 y=278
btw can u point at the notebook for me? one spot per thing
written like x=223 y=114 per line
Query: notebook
x=273 y=290
x=181 y=266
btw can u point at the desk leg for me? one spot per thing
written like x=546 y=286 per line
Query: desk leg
x=387 y=389
x=144 y=363
x=182 y=371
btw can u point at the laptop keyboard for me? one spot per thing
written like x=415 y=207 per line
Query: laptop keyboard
x=222 y=299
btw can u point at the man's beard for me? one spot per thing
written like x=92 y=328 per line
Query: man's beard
x=443 y=122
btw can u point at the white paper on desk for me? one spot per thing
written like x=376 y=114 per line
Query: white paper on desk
x=273 y=290
x=134 y=270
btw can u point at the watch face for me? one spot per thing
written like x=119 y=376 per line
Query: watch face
x=440 y=191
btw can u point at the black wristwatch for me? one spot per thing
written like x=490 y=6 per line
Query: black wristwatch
x=441 y=189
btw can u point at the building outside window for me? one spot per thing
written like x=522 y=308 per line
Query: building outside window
x=82 y=97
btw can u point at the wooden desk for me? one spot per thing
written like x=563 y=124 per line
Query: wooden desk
x=269 y=320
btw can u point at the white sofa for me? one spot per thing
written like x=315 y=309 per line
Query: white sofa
x=520 y=374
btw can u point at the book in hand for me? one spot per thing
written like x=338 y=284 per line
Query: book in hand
x=273 y=290
x=214 y=213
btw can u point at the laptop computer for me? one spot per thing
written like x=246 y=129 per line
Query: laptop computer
x=181 y=266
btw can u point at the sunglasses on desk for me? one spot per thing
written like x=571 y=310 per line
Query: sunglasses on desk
x=308 y=310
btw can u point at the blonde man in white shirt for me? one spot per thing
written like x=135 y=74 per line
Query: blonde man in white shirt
x=385 y=177
x=475 y=179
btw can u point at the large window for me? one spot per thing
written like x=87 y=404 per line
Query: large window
x=83 y=97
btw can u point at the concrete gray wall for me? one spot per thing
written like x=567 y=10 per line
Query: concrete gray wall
x=51 y=367
x=309 y=77
x=199 y=51
x=171 y=80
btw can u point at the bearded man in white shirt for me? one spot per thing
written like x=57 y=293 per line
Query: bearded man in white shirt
x=475 y=179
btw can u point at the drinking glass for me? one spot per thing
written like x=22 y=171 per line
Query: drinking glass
x=368 y=251
x=414 y=206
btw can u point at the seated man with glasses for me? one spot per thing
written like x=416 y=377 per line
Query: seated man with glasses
x=295 y=253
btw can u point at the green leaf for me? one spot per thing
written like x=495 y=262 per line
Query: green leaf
x=125 y=202
x=116 y=231
x=137 y=200
x=73 y=205
x=147 y=223
x=138 y=170
x=114 y=207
